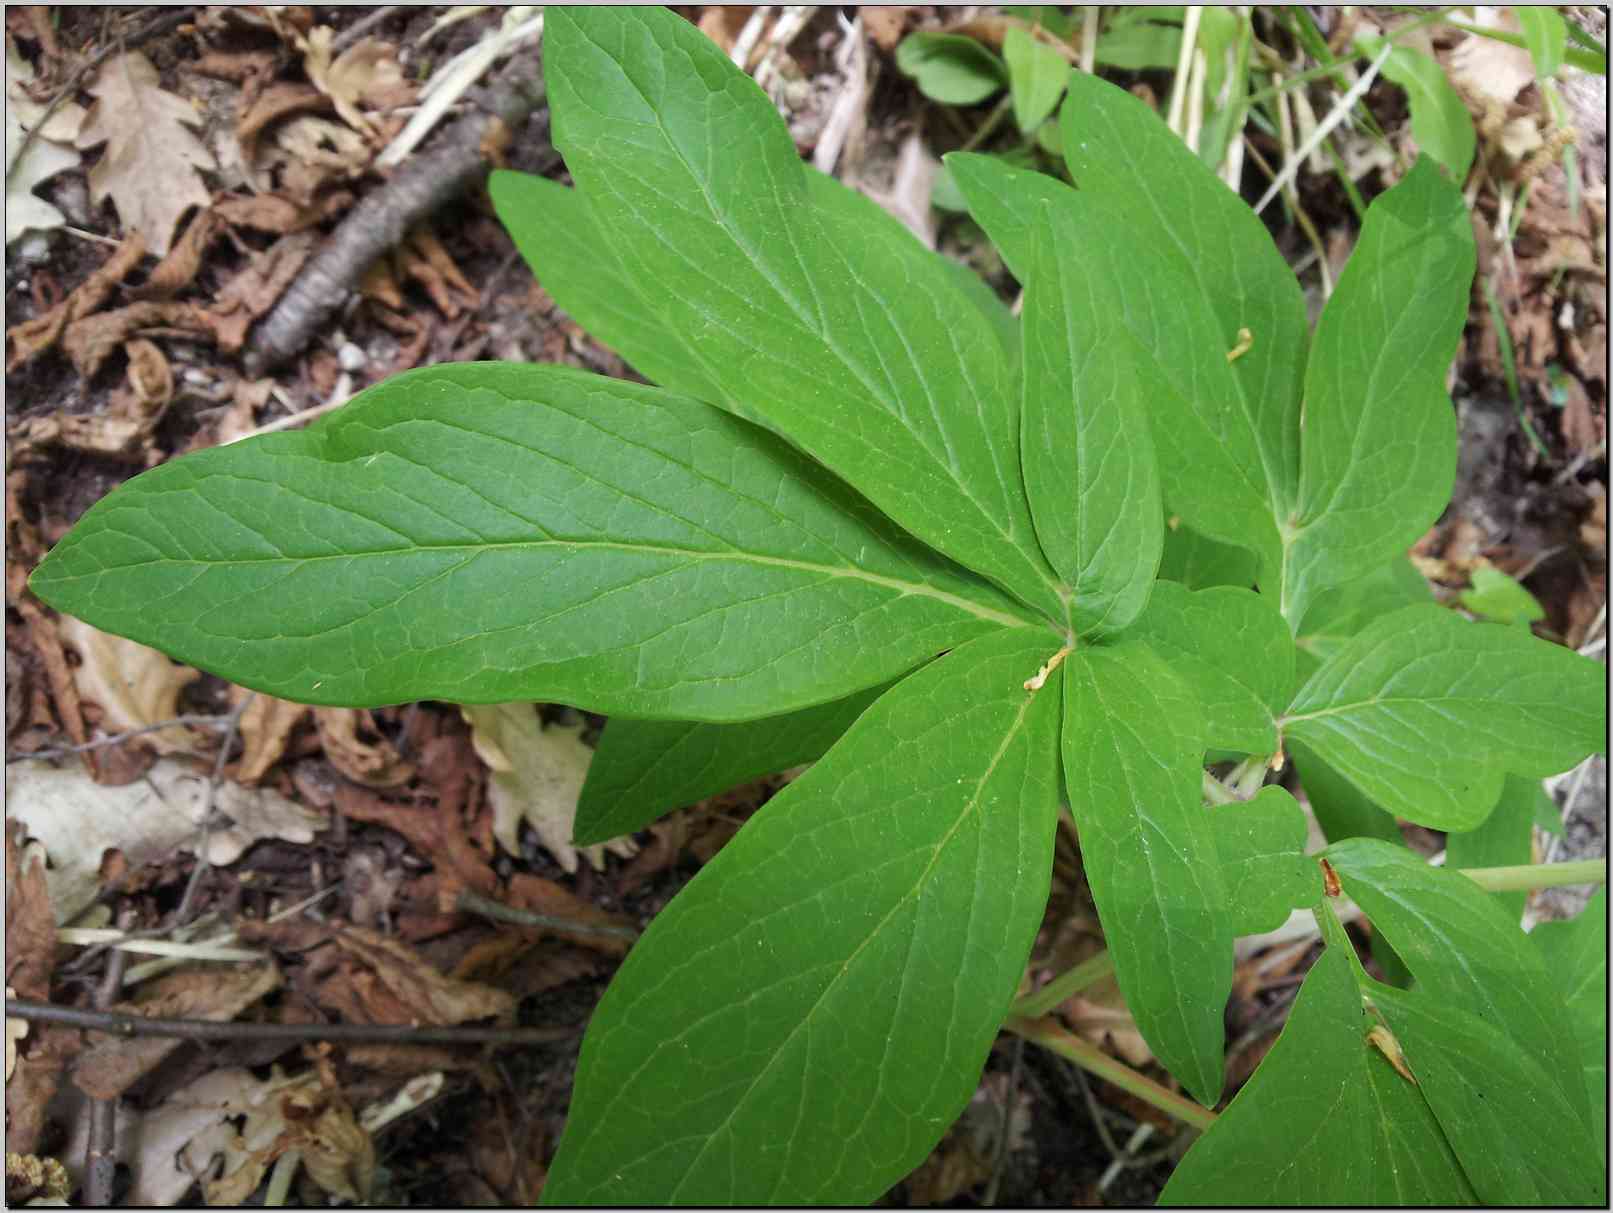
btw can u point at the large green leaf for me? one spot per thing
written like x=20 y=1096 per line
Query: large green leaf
x=1504 y=839
x=1575 y=954
x=1424 y=712
x=1380 y=433
x=1262 y=847
x=802 y=1023
x=582 y=272
x=1342 y=810
x=1519 y=1141
x=642 y=768
x=807 y=319
x=1325 y=1120
x=497 y=532
x=1234 y=650
x=1133 y=745
x=1120 y=152
x=1089 y=464
x=1546 y=33
x=1465 y=951
x=1152 y=316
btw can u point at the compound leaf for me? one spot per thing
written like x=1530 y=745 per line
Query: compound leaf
x=1234 y=650
x=1380 y=433
x=808 y=320
x=645 y=767
x=1262 y=847
x=1089 y=464
x=1575 y=953
x=1519 y=1141
x=1325 y=1120
x=1152 y=316
x=1165 y=198
x=498 y=532
x=1465 y=951
x=1133 y=748
x=805 y=1019
x=1424 y=712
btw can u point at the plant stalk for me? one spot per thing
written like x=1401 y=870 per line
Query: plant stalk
x=1070 y=982
x=1528 y=876
x=1096 y=1061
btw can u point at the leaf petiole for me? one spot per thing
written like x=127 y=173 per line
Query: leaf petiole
x=1067 y=984
x=1538 y=875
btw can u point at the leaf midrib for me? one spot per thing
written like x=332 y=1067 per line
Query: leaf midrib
x=850 y=572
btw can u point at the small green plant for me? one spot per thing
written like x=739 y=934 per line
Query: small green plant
x=871 y=518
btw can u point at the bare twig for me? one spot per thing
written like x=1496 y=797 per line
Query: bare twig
x=231 y=723
x=1006 y=1124
x=101 y=1152
x=475 y=903
x=120 y=1024
x=206 y=722
x=378 y=222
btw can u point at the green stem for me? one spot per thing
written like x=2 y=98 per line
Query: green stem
x=1070 y=982
x=1093 y=1060
x=991 y=123
x=1538 y=875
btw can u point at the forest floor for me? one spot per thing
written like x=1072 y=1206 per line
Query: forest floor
x=169 y=301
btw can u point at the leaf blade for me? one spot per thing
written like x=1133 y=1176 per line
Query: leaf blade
x=405 y=549
x=694 y=1090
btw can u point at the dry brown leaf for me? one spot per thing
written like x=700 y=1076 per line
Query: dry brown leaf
x=397 y=985
x=423 y=258
x=42 y=332
x=312 y=152
x=30 y=924
x=375 y=764
x=1488 y=70
x=265 y=726
x=277 y=215
x=366 y=71
x=28 y=163
x=149 y=168
x=33 y=1085
x=112 y=1064
x=135 y=686
x=256 y=289
x=179 y=268
x=723 y=22
x=527 y=891
x=273 y=104
x=91 y=341
x=537 y=775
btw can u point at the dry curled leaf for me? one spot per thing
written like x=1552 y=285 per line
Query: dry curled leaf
x=135 y=686
x=149 y=168
x=42 y=332
x=375 y=764
x=265 y=725
x=537 y=775
x=367 y=71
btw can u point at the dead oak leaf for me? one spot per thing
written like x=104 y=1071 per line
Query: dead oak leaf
x=149 y=168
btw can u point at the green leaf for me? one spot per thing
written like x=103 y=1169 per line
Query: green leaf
x=950 y=68
x=805 y=1019
x=1465 y=951
x=1324 y=1121
x=1546 y=34
x=1341 y=614
x=1424 y=712
x=860 y=353
x=1036 y=75
x=1380 y=432
x=1504 y=839
x=1440 y=122
x=1140 y=44
x=1049 y=16
x=1518 y=1141
x=1261 y=843
x=1496 y=596
x=1088 y=462
x=645 y=767
x=1151 y=315
x=583 y=274
x=1234 y=650
x=1341 y=809
x=1575 y=954
x=494 y=532
x=1133 y=744
x=1199 y=562
x=1120 y=152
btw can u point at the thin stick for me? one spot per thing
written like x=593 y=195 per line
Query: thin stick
x=1324 y=128
x=204 y=722
x=475 y=903
x=231 y=723
x=101 y=1151
x=132 y=1026
x=1092 y=1059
